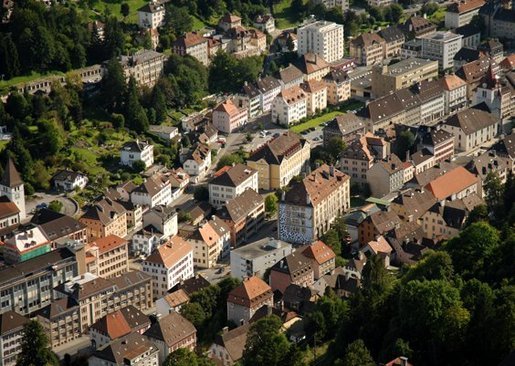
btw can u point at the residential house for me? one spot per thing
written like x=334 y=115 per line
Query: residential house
x=24 y=243
x=376 y=224
x=249 y=99
x=152 y=15
x=172 y=302
x=438 y=142
x=198 y=162
x=309 y=207
x=343 y=5
x=255 y=258
x=144 y=242
x=471 y=128
x=229 y=21
x=231 y=181
x=265 y=23
x=455 y=93
x=133 y=151
x=316 y=96
x=290 y=76
x=154 y=191
x=471 y=35
x=441 y=46
x=490 y=162
x=11 y=334
x=498 y=98
x=247 y=298
x=323 y=38
x=117 y=325
x=293 y=269
x=179 y=180
x=67 y=180
x=9 y=215
x=268 y=87
x=356 y=160
x=244 y=215
x=170 y=333
x=167 y=133
x=394 y=39
x=169 y=264
x=133 y=349
x=402 y=74
x=289 y=106
x=33 y=280
x=455 y=184
x=194 y=45
x=474 y=72
x=460 y=13
x=411 y=204
x=338 y=86
x=385 y=176
x=145 y=66
x=227 y=117
x=378 y=247
x=368 y=49
x=105 y=217
x=59 y=228
x=416 y=26
x=322 y=257
x=313 y=66
x=279 y=160
x=211 y=242
x=228 y=347
x=346 y=127
x=411 y=49
x=107 y=257
x=161 y=220
x=287 y=41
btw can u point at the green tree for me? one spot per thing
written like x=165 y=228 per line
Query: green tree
x=335 y=147
x=194 y=313
x=432 y=266
x=56 y=206
x=52 y=136
x=332 y=239
x=494 y=193
x=271 y=204
x=135 y=115
x=404 y=143
x=139 y=166
x=159 y=105
x=185 y=357
x=35 y=349
x=266 y=344
x=478 y=213
x=125 y=9
x=228 y=160
x=178 y=19
x=113 y=86
x=357 y=354
x=9 y=59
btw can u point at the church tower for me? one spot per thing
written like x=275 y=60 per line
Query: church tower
x=11 y=186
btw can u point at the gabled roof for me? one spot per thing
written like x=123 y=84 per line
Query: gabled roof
x=7 y=208
x=290 y=74
x=67 y=175
x=451 y=183
x=105 y=211
x=108 y=243
x=380 y=245
x=464 y=6
x=189 y=39
x=121 y=322
x=176 y=298
x=239 y=207
x=268 y=83
x=171 y=252
x=452 y=82
x=135 y=146
x=250 y=290
x=346 y=124
x=279 y=148
x=171 y=329
x=415 y=202
x=230 y=18
x=233 y=176
x=471 y=120
x=153 y=185
x=319 y=252
x=384 y=221
x=310 y=63
x=234 y=341
x=392 y=34
x=292 y=95
x=367 y=40
x=293 y=264
x=228 y=107
x=11 y=178
x=125 y=350
x=10 y=321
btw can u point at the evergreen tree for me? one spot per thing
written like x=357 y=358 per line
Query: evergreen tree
x=357 y=354
x=159 y=105
x=9 y=61
x=113 y=86
x=134 y=113
x=35 y=350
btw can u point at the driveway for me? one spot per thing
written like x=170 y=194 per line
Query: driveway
x=69 y=206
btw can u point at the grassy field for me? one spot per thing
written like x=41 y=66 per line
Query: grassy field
x=114 y=9
x=438 y=17
x=315 y=122
x=285 y=17
x=6 y=84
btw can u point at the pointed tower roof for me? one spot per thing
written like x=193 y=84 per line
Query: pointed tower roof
x=11 y=178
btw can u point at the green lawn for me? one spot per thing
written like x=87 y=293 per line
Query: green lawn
x=438 y=16
x=198 y=24
x=284 y=16
x=5 y=84
x=114 y=9
x=315 y=122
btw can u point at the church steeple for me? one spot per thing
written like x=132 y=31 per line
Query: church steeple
x=11 y=185
x=11 y=178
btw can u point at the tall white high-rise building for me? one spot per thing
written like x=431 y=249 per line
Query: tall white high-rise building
x=323 y=38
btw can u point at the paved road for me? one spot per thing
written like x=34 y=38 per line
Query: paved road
x=69 y=207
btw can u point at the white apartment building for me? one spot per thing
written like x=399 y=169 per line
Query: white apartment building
x=255 y=258
x=133 y=151
x=144 y=242
x=151 y=15
x=454 y=92
x=289 y=106
x=154 y=191
x=316 y=96
x=199 y=161
x=168 y=265
x=227 y=117
x=323 y=38
x=131 y=350
x=441 y=46
x=146 y=66
x=269 y=87
x=309 y=207
x=230 y=182
x=460 y=13
x=161 y=220
x=211 y=242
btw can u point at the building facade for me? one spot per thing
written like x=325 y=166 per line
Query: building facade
x=230 y=182
x=323 y=38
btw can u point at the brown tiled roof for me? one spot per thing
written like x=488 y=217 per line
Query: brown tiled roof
x=233 y=176
x=279 y=148
x=7 y=208
x=177 y=298
x=346 y=124
x=10 y=321
x=508 y=63
x=384 y=221
x=59 y=307
x=171 y=329
x=506 y=146
x=416 y=202
x=189 y=39
x=452 y=82
x=294 y=264
x=319 y=251
x=105 y=211
x=125 y=350
x=238 y=208
x=113 y=325
x=230 y=18
x=153 y=185
x=471 y=120
x=11 y=178
x=289 y=74
x=380 y=245
x=56 y=225
x=108 y=243
x=312 y=86
x=451 y=183
x=228 y=107
x=311 y=62
x=464 y=6
x=170 y=253
x=316 y=187
x=391 y=164
x=234 y=341
x=250 y=290
x=474 y=71
x=367 y=40
x=292 y=95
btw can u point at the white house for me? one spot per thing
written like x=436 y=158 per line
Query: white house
x=67 y=180
x=211 y=242
x=227 y=117
x=198 y=162
x=231 y=181
x=154 y=191
x=289 y=106
x=268 y=88
x=167 y=133
x=162 y=221
x=265 y=23
x=151 y=15
x=169 y=264
x=144 y=242
x=137 y=150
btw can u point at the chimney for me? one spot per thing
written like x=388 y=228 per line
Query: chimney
x=404 y=361
x=225 y=330
x=331 y=170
